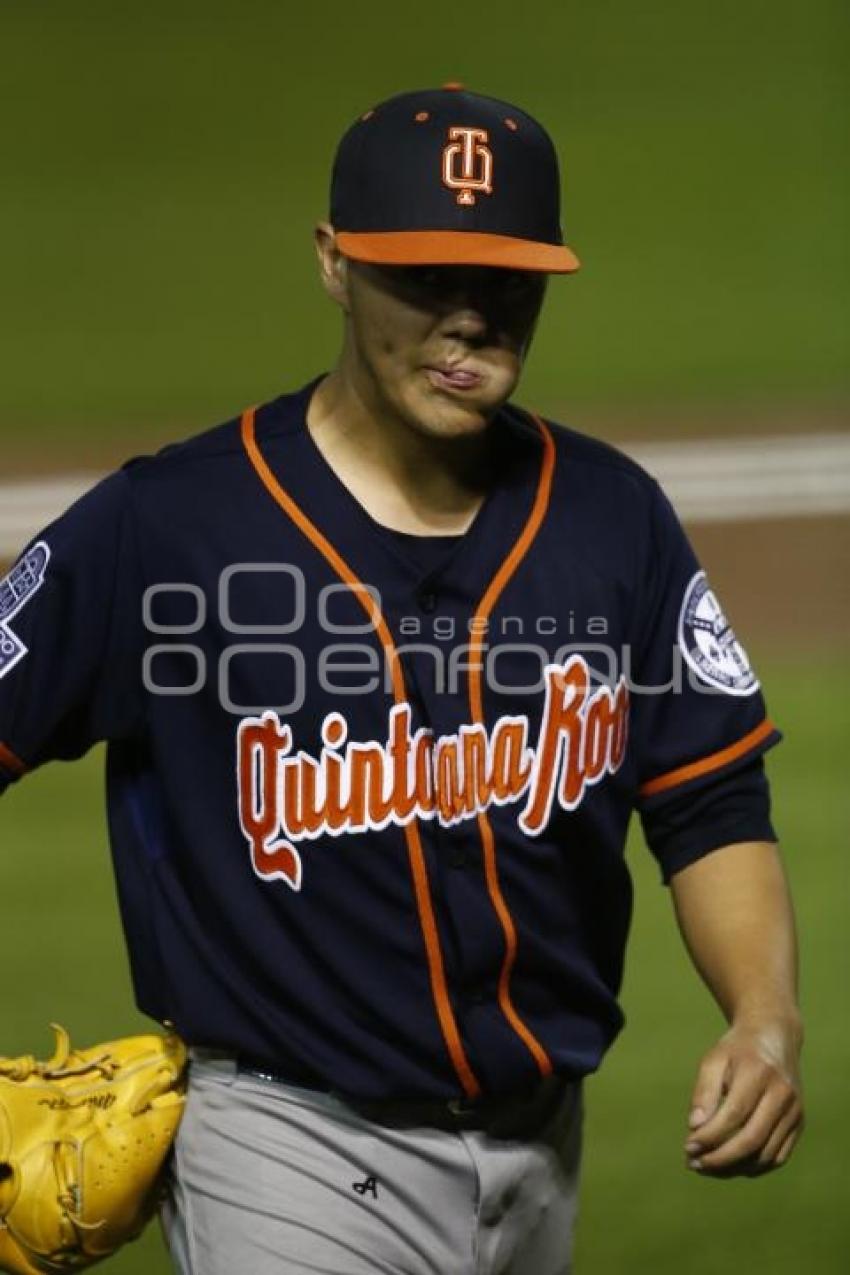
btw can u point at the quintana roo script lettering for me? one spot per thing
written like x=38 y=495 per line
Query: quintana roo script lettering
x=352 y=787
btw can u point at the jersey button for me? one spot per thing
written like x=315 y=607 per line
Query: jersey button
x=427 y=600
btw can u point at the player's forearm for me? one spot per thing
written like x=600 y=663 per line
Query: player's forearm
x=734 y=910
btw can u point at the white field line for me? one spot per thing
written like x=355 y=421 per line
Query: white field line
x=720 y=480
x=710 y=480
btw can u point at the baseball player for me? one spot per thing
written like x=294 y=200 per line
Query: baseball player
x=385 y=665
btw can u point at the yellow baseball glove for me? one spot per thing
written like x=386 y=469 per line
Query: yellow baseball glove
x=83 y=1141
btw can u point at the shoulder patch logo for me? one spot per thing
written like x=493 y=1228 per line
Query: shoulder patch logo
x=16 y=589
x=709 y=644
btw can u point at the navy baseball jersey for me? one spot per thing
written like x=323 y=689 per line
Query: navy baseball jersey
x=368 y=793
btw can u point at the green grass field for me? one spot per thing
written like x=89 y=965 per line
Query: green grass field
x=641 y=1210
x=166 y=162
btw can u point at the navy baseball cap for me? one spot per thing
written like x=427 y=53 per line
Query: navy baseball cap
x=447 y=177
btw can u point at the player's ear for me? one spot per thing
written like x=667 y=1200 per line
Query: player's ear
x=333 y=267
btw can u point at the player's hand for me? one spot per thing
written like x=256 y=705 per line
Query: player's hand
x=747 y=1109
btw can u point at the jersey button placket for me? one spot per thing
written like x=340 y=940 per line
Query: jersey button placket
x=426 y=597
x=460 y=854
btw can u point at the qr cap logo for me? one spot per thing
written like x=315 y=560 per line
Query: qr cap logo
x=468 y=163
x=708 y=643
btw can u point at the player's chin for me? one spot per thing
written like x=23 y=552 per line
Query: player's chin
x=457 y=413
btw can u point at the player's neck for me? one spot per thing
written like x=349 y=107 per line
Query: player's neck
x=403 y=479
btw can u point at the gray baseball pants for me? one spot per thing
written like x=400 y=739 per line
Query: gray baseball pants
x=271 y=1179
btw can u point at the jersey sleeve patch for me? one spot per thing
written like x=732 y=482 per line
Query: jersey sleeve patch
x=16 y=590
x=708 y=643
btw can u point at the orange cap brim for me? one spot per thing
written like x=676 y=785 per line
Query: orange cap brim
x=455 y=248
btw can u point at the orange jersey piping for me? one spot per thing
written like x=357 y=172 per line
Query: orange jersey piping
x=416 y=854
x=11 y=763
x=485 y=606
x=705 y=765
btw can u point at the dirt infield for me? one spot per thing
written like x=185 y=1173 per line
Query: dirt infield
x=784 y=584
x=28 y=453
